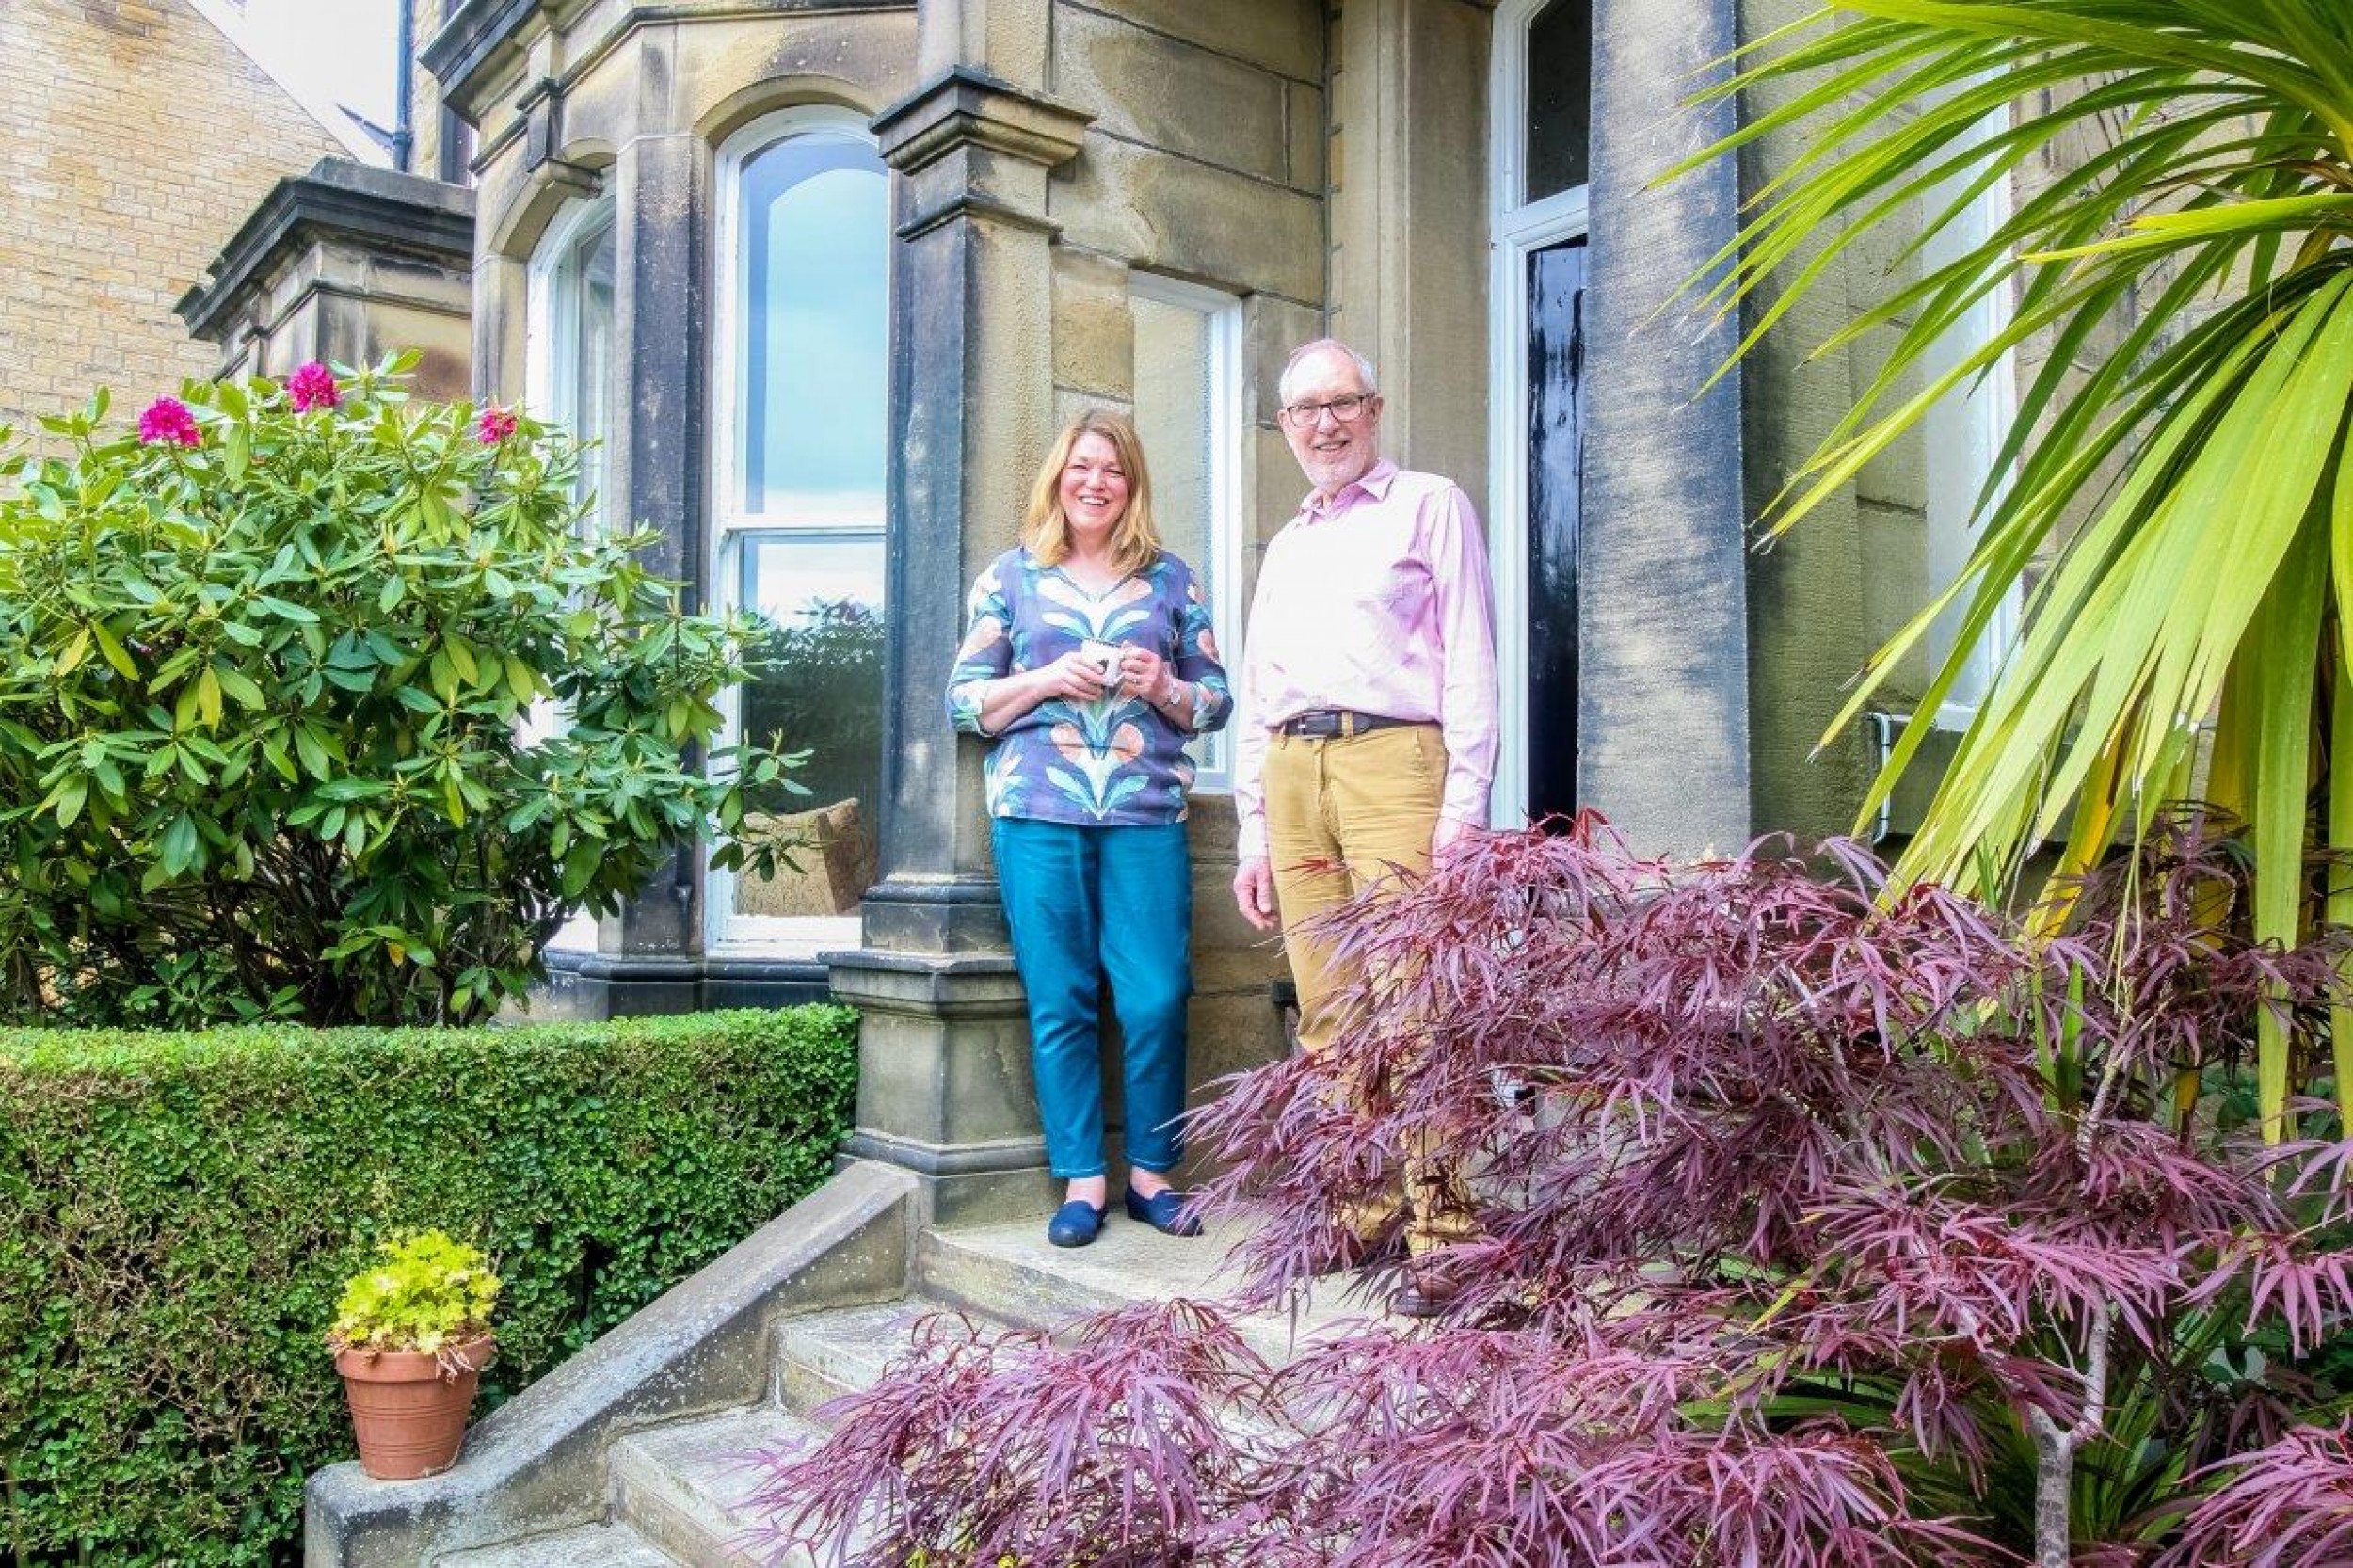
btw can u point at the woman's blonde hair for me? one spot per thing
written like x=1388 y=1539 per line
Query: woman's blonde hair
x=1135 y=542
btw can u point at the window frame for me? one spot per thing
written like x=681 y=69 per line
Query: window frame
x=551 y=340
x=1961 y=437
x=1222 y=314
x=730 y=523
x=1518 y=227
x=551 y=322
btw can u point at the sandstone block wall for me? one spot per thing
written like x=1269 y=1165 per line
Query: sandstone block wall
x=1205 y=164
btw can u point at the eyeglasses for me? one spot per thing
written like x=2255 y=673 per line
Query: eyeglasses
x=1344 y=409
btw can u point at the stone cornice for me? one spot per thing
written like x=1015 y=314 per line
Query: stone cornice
x=469 y=37
x=479 y=32
x=405 y=213
x=964 y=107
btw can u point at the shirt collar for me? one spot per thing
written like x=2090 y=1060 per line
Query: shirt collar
x=1374 y=483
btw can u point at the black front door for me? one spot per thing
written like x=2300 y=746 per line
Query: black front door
x=1556 y=470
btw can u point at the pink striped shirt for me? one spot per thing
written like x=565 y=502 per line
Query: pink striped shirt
x=1375 y=600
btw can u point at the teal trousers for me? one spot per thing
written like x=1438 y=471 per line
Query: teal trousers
x=1086 y=905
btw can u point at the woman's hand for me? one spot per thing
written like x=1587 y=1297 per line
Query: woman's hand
x=1073 y=676
x=1144 y=674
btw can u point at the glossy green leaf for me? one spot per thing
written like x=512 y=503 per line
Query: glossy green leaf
x=2171 y=505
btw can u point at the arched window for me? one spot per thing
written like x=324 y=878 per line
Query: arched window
x=1539 y=159
x=570 y=350
x=801 y=379
x=569 y=376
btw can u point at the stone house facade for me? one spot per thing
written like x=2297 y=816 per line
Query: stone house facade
x=136 y=135
x=824 y=276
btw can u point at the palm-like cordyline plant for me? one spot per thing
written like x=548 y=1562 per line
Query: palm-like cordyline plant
x=2191 y=476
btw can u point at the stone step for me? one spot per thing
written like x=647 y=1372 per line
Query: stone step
x=594 y=1546
x=1013 y=1275
x=819 y=1356
x=687 y=1486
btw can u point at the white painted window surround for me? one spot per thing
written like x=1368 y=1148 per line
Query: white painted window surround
x=799 y=378
x=1518 y=229
x=1963 y=434
x=1188 y=407
x=569 y=375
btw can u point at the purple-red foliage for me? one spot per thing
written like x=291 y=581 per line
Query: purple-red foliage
x=1104 y=1449
x=1803 y=1202
x=2288 y=1503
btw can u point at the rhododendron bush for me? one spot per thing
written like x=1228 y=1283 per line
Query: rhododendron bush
x=266 y=664
x=1824 y=1223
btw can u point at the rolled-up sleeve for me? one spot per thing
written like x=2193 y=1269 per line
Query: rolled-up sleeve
x=1456 y=552
x=984 y=655
x=1197 y=663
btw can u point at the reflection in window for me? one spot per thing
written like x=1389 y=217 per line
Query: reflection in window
x=1560 y=99
x=815 y=329
x=1185 y=414
x=582 y=374
x=823 y=594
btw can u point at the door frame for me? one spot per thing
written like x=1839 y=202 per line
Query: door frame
x=1516 y=229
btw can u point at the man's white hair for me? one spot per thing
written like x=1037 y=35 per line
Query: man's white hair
x=1323 y=346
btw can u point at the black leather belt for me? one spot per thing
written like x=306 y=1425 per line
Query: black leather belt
x=1333 y=724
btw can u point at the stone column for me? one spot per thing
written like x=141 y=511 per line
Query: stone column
x=1662 y=660
x=649 y=955
x=944 y=1077
x=1409 y=275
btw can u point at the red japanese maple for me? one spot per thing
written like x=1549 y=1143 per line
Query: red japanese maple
x=1824 y=1223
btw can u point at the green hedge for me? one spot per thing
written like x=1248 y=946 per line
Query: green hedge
x=177 y=1212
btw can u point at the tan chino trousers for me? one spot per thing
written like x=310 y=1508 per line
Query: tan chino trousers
x=1342 y=815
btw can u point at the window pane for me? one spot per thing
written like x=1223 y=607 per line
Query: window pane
x=1175 y=417
x=815 y=379
x=586 y=390
x=1173 y=390
x=825 y=593
x=1555 y=481
x=1560 y=98
x=578 y=378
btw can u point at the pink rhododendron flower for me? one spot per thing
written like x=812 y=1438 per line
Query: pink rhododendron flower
x=314 y=387
x=167 y=423
x=496 y=425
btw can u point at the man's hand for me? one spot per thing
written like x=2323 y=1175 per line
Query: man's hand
x=1448 y=830
x=1254 y=892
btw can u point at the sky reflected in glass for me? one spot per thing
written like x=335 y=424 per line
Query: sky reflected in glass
x=815 y=395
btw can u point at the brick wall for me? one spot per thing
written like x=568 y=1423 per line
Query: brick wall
x=136 y=139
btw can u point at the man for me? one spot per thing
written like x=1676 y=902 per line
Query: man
x=1367 y=712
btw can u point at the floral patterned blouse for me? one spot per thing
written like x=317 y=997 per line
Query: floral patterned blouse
x=1113 y=762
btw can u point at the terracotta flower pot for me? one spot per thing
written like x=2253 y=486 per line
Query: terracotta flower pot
x=409 y=1414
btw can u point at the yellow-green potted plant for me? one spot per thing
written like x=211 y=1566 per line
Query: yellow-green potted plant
x=411 y=1335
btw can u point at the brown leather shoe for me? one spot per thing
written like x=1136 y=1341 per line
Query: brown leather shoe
x=1427 y=1293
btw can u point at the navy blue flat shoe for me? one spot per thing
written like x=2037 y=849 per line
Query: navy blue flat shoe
x=1074 y=1224
x=1163 y=1212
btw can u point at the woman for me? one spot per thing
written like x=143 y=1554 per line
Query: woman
x=1089 y=663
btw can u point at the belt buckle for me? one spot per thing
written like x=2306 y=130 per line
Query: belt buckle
x=1323 y=724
